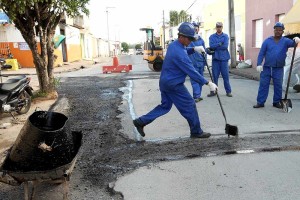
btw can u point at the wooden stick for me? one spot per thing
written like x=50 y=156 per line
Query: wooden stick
x=26 y=190
x=66 y=189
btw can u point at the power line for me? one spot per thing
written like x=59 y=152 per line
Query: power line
x=191 y=5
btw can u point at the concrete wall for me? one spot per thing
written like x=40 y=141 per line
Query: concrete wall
x=78 y=44
x=20 y=50
x=12 y=39
x=73 y=43
x=94 y=48
x=267 y=10
x=102 y=46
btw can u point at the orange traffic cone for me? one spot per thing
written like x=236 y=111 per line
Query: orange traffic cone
x=115 y=61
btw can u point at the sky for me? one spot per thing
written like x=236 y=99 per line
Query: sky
x=126 y=17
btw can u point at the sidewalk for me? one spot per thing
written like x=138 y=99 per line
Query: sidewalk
x=67 y=67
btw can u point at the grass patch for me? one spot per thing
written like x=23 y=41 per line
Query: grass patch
x=39 y=94
x=43 y=96
x=56 y=82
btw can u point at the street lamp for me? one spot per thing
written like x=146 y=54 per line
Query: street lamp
x=108 y=30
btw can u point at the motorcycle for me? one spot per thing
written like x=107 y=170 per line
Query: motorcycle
x=15 y=93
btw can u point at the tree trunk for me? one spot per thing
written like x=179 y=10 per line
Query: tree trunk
x=42 y=74
x=42 y=57
x=50 y=56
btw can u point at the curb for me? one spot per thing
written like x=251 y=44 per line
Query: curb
x=250 y=74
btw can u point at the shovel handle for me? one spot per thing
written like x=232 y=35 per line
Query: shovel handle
x=223 y=112
x=290 y=72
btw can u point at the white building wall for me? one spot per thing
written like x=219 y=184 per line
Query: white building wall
x=10 y=33
x=87 y=46
x=3 y=35
x=13 y=34
x=102 y=47
x=72 y=35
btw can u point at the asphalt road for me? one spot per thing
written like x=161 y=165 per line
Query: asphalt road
x=245 y=174
x=116 y=163
x=261 y=163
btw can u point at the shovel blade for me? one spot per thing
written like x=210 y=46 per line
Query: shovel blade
x=231 y=130
x=297 y=87
x=286 y=105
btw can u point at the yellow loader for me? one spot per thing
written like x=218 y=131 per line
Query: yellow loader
x=153 y=54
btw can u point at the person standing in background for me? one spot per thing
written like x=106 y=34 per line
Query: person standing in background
x=219 y=43
x=273 y=52
x=198 y=63
x=241 y=52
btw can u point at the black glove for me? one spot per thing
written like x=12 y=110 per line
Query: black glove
x=209 y=51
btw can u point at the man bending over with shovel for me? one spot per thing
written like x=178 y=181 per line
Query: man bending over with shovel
x=273 y=52
x=177 y=65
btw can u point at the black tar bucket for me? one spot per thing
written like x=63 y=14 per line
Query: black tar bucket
x=44 y=143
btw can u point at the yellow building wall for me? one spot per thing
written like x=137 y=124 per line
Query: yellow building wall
x=59 y=58
x=74 y=52
x=218 y=11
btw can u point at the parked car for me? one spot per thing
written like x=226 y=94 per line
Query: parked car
x=130 y=51
x=139 y=52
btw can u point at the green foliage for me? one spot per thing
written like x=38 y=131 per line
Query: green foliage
x=177 y=18
x=183 y=16
x=125 y=47
x=19 y=7
x=174 y=19
x=138 y=46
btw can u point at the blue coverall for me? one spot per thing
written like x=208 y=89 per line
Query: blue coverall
x=176 y=66
x=219 y=43
x=274 y=55
x=199 y=63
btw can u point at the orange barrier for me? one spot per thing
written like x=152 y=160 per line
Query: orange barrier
x=115 y=61
x=116 y=68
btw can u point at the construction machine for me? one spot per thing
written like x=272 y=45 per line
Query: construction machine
x=153 y=54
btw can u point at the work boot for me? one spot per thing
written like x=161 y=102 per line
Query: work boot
x=259 y=105
x=211 y=94
x=229 y=94
x=277 y=105
x=139 y=127
x=202 y=135
x=198 y=99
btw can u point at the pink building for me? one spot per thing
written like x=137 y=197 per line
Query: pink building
x=260 y=19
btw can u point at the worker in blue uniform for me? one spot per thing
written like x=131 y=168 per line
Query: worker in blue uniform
x=273 y=52
x=198 y=62
x=218 y=42
x=176 y=67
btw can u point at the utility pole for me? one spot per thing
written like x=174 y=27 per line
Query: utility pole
x=164 y=30
x=232 y=33
x=108 y=30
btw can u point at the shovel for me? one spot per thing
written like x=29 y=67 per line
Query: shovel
x=229 y=129
x=287 y=103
